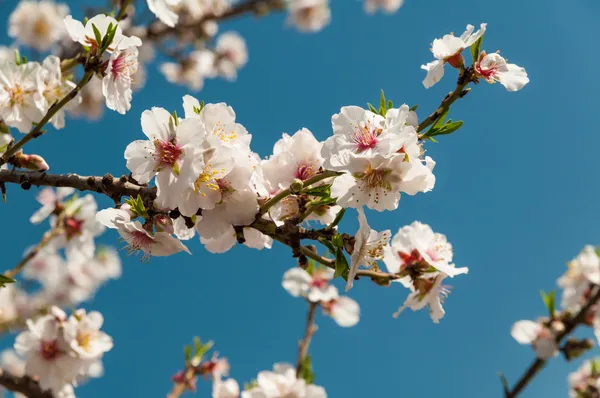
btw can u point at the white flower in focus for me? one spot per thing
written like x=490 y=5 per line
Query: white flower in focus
x=494 y=68
x=86 y=37
x=86 y=339
x=182 y=231
x=427 y=292
x=388 y=6
x=92 y=100
x=252 y=238
x=116 y=84
x=54 y=88
x=165 y=10
x=138 y=239
x=368 y=247
x=539 y=336
x=448 y=50
x=315 y=287
x=18 y=88
x=191 y=72
x=376 y=182
x=47 y=352
x=582 y=270
x=309 y=15
x=283 y=383
x=38 y=24
x=231 y=54
x=228 y=388
x=344 y=311
x=169 y=153
x=49 y=199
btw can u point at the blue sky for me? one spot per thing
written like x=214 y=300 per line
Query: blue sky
x=516 y=194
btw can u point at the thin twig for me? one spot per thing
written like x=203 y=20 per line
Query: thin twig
x=23 y=385
x=309 y=331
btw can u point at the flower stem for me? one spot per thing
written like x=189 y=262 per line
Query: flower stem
x=310 y=330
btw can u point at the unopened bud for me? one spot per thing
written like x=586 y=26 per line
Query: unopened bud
x=574 y=348
x=557 y=326
x=296 y=186
x=457 y=61
x=29 y=162
x=163 y=223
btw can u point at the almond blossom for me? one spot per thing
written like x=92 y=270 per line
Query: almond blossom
x=309 y=15
x=139 y=239
x=199 y=65
x=541 y=338
x=165 y=10
x=448 y=50
x=282 y=383
x=344 y=311
x=116 y=84
x=252 y=238
x=427 y=292
x=388 y=6
x=86 y=339
x=18 y=89
x=315 y=287
x=50 y=201
x=228 y=388
x=231 y=54
x=54 y=88
x=582 y=270
x=585 y=381
x=38 y=24
x=86 y=37
x=494 y=68
x=368 y=247
x=169 y=154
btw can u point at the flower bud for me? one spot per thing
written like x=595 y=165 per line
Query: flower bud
x=557 y=326
x=29 y=162
x=457 y=61
x=296 y=186
x=163 y=223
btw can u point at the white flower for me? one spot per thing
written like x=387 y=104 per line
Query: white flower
x=448 y=50
x=5 y=140
x=86 y=339
x=427 y=292
x=253 y=239
x=368 y=247
x=585 y=380
x=10 y=361
x=47 y=352
x=191 y=73
x=8 y=307
x=344 y=311
x=416 y=248
x=582 y=270
x=85 y=34
x=228 y=388
x=18 y=87
x=283 y=383
x=494 y=68
x=309 y=15
x=388 y=6
x=116 y=84
x=541 y=338
x=315 y=287
x=376 y=182
x=165 y=10
x=231 y=54
x=53 y=89
x=170 y=154
x=49 y=199
x=106 y=265
x=138 y=239
x=92 y=100
x=79 y=228
x=38 y=24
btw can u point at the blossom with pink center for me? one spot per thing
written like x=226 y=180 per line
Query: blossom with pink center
x=494 y=68
x=138 y=238
x=86 y=37
x=427 y=292
x=282 y=382
x=309 y=15
x=116 y=84
x=344 y=311
x=541 y=338
x=50 y=200
x=171 y=153
x=315 y=287
x=19 y=89
x=231 y=54
x=448 y=50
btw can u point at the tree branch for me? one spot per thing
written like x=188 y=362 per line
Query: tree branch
x=538 y=364
x=310 y=330
x=24 y=385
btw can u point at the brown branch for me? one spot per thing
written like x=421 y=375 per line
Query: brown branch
x=538 y=364
x=48 y=236
x=310 y=330
x=24 y=385
x=158 y=30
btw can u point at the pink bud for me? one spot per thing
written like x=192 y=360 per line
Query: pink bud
x=163 y=223
x=30 y=162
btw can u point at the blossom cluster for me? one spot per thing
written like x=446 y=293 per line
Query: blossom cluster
x=585 y=382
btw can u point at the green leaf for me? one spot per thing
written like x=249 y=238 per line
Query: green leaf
x=201 y=349
x=476 y=49
x=440 y=121
x=311 y=267
x=390 y=105
x=97 y=35
x=337 y=241
x=414 y=107
x=306 y=371
x=187 y=351
x=108 y=39
x=328 y=244
x=197 y=110
x=5 y=280
x=549 y=301
x=338 y=218
x=341 y=264
x=372 y=108
x=17 y=57
x=175 y=118
x=449 y=127
x=137 y=207
x=321 y=191
x=382 y=104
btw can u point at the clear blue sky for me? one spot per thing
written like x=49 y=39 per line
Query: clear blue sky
x=516 y=194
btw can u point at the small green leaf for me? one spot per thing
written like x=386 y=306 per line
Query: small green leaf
x=97 y=35
x=338 y=218
x=341 y=264
x=311 y=267
x=390 y=105
x=175 y=118
x=440 y=121
x=476 y=49
x=321 y=191
x=549 y=302
x=328 y=244
x=414 y=107
x=197 y=109
x=17 y=57
x=337 y=241
x=449 y=127
x=5 y=280
x=382 y=104
x=306 y=371
x=187 y=351
x=372 y=108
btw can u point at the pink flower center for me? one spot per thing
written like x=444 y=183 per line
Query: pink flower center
x=365 y=137
x=49 y=350
x=166 y=153
x=487 y=73
x=410 y=259
x=73 y=227
x=305 y=171
x=319 y=283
